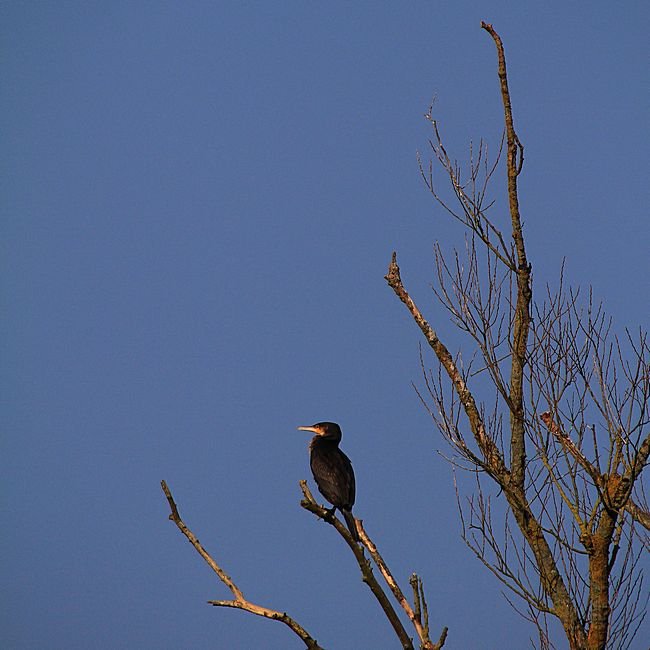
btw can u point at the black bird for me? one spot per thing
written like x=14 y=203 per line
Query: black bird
x=332 y=470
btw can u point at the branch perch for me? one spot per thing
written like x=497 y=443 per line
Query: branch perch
x=422 y=630
x=310 y=504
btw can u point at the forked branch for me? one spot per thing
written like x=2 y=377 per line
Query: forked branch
x=492 y=459
x=419 y=617
x=419 y=614
x=609 y=486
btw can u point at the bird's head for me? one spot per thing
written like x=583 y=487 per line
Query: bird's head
x=329 y=430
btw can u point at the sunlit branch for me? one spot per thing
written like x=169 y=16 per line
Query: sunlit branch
x=239 y=601
x=310 y=504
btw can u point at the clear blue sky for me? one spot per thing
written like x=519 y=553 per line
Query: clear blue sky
x=199 y=201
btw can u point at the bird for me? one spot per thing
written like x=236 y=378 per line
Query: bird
x=332 y=470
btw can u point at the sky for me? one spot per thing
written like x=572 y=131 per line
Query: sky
x=199 y=203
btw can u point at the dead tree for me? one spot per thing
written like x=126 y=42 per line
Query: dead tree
x=549 y=413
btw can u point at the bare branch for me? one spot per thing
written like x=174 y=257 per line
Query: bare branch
x=310 y=504
x=639 y=514
x=493 y=459
x=415 y=616
x=515 y=161
x=239 y=601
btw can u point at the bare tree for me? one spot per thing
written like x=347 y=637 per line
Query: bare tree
x=549 y=409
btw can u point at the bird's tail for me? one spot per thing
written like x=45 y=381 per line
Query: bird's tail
x=352 y=524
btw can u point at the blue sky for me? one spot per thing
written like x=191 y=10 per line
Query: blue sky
x=199 y=202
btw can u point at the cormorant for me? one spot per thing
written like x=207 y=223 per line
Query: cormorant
x=332 y=470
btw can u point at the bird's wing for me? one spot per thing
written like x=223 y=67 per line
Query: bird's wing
x=335 y=477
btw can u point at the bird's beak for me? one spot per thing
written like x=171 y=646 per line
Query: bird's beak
x=312 y=429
